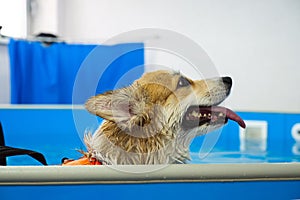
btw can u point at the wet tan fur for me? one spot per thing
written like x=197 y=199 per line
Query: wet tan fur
x=142 y=121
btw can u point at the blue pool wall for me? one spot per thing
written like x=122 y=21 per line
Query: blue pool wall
x=228 y=190
x=279 y=137
x=53 y=133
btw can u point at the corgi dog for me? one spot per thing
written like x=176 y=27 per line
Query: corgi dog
x=154 y=120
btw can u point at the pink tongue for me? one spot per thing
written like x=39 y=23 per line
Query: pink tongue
x=230 y=115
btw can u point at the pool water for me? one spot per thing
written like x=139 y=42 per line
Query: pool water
x=53 y=133
x=54 y=157
x=58 y=150
x=240 y=157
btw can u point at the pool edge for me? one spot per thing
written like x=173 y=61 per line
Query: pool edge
x=58 y=175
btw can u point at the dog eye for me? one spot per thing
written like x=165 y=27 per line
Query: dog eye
x=183 y=82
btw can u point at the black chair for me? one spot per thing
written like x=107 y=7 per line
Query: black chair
x=6 y=151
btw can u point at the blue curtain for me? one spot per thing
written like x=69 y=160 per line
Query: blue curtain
x=45 y=74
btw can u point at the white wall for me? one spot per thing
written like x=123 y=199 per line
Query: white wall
x=4 y=75
x=13 y=18
x=254 y=41
x=44 y=16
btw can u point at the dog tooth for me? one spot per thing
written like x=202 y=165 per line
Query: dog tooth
x=195 y=114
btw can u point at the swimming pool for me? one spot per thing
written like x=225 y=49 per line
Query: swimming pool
x=222 y=164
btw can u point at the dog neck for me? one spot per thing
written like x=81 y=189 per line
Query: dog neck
x=136 y=140
x=113 y=145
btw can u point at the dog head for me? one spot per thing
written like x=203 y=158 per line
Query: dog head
x=165 y=95
x=166 y=106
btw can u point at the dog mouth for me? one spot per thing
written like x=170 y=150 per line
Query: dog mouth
x=196 y=116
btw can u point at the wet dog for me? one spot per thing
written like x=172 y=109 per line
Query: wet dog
x=154 y=120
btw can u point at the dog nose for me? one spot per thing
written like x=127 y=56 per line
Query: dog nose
x=227 y=81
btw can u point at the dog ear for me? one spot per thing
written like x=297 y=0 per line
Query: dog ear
x=110 y=105
x=122 y=105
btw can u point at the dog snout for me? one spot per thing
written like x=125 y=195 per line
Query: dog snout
x=228 y=83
